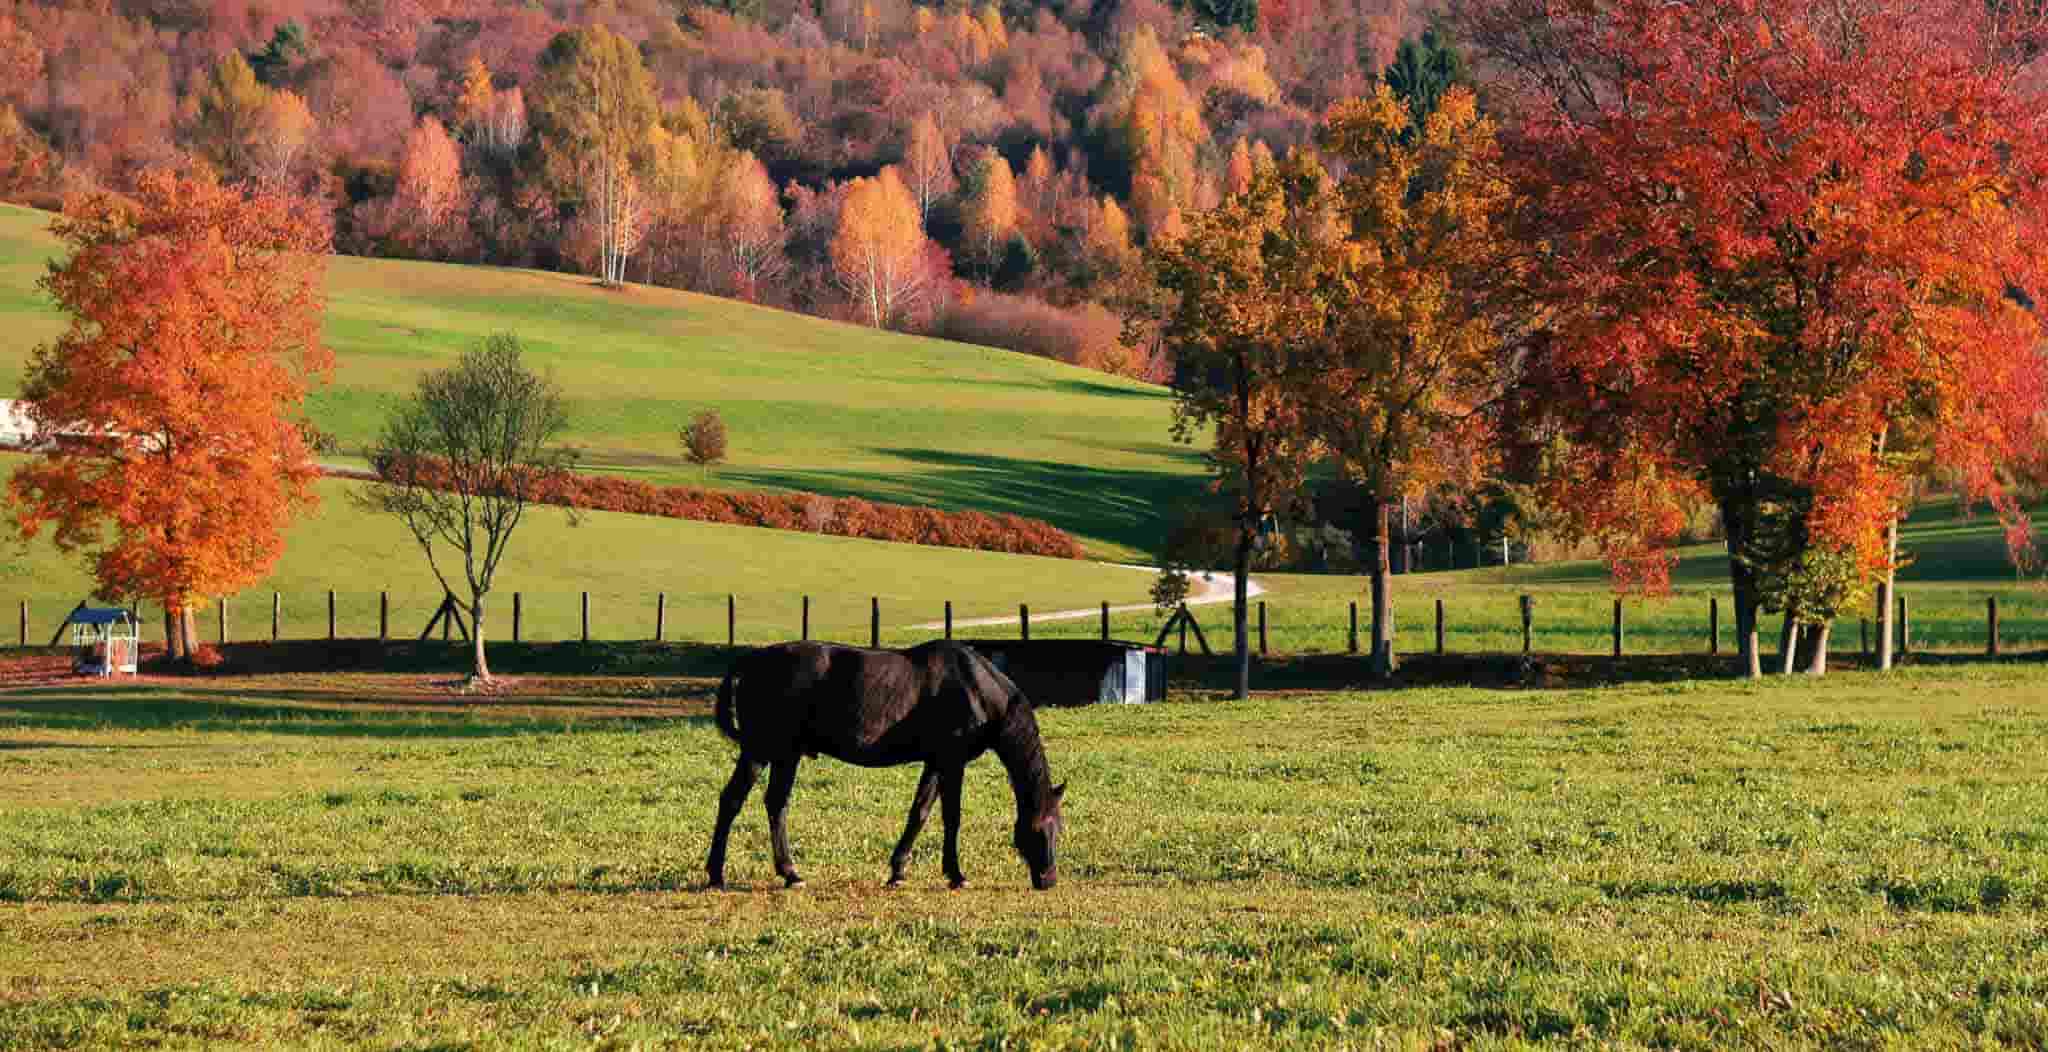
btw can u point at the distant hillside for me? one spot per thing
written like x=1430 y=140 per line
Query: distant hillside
x=810 y=404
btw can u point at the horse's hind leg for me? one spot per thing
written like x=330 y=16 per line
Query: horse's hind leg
x=920 y=806
x=744 y=771
x=950 y=781
x=781 y=780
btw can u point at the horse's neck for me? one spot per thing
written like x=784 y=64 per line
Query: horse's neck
x=1023 y=756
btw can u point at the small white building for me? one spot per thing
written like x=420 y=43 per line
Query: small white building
x=17 y=431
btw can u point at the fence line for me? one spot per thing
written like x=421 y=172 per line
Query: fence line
x=1991 y=627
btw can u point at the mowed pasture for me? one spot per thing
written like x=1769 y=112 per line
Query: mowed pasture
x=810 y=405
x=1861 y=862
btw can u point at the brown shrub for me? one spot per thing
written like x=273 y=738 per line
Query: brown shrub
x=846 y=517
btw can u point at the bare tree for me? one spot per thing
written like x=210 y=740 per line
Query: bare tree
x=461 y=460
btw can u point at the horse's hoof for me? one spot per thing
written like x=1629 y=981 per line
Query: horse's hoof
x=792 y=883
x=957 y=884
x=894 y=882
x=716 y=885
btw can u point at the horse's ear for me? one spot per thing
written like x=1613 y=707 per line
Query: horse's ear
x=1059 y=792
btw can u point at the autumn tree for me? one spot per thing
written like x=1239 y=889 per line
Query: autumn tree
x=195 y=330
x=1779 y=235
x=230 y=104
x=1396 y=374
x=1237 y=300
x=750 y=212
x=991 y=212
x=927 y=164
x=279 y=142
x=460 y=462
x=593 y=109
x=429 y=197
x=25 y=162
x=703 y=438
x=1159 y=125
x=880 y=254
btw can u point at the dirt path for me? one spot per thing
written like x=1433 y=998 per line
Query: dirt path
x=1205 y=588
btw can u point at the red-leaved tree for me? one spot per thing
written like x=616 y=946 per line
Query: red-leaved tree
x=1782 y=237
x=174 y=456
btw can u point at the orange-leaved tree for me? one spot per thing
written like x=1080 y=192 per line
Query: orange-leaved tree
x=174 y=456
x=1235 y=299
x=1781 y=234
x=880 y=254
x=1406 y=364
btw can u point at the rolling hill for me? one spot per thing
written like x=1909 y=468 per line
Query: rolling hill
x=810 y=405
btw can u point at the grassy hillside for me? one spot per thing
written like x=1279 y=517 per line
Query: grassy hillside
x=809 y=404
x=623 y=561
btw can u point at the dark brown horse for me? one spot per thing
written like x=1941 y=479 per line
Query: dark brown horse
x=939 y=704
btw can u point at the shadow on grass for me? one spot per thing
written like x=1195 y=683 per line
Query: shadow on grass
x=1123 y=506
x=310 y=713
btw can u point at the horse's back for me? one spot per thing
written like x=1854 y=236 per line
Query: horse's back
x=870 y=707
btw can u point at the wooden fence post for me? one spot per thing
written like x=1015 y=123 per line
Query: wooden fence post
x=661 y=617
x=330 y=614
x=383 y=616
x=24 y=622
x=1354 y=626
x=1617 y=628
x=1439 y=628
x=1528 y=605
x=1905 y=626
x=221 y=607
x=1713 y=624
x=949 y=619
x=1024 y=622
x=586 y=617
x=1262 y=628
x=875 y=622
x=1105 y=620
x=276 y=614
x=518 y=607
x=1863 y=637
x=1991 y=625
x=807 y=620
x=732 y=633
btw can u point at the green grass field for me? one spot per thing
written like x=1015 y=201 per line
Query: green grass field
x=809 y=404
x=1861 y=863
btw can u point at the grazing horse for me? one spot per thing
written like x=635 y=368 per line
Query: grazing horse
x=939 y=704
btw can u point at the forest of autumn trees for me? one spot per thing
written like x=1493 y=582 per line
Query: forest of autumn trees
x=1776 y=259
x=714 y=147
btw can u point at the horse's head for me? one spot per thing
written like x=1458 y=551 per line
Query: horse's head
x=1038 y=840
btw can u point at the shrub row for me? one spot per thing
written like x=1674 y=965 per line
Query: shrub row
x=810 y=512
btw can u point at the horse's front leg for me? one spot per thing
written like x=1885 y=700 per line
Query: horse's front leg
x=744 y=771
x=920 y=806
x=950 y=781
x=781 y=780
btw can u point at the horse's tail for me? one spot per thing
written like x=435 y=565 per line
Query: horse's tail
x=727 y=725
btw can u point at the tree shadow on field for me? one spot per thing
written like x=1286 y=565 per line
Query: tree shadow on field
x=1123 y=506
x=310 y=713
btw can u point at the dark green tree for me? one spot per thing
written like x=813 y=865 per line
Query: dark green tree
x=274 y=62
x=1229 y=14
x=1423 y=70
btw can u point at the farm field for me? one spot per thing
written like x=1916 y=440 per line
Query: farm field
x=810 y=405
x=1857 y=863
x=622 y=560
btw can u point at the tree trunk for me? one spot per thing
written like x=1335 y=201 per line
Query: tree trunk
x=1246 y=537
x=1788 y=642
x=1743 y=583
x=188 y=626
x=1887 y=606
x=1382 y=664
x=476 y=637
x=1816 y=647
x=174 y=636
